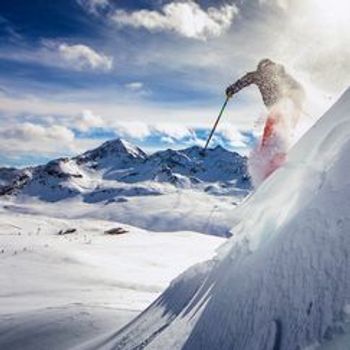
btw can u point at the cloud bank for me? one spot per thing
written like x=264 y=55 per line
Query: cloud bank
x=94 y=6
x=38 y=136
x=187 y=19
x=87 y=120
x=84 y=57
x=30 y=138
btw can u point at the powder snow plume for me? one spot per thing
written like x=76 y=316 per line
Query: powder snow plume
x=278 y=136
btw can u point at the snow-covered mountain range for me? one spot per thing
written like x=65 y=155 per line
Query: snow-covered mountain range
x=119 y=169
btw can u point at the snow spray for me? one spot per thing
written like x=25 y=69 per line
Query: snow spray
x=277 y=137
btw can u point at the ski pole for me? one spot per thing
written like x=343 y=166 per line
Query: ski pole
x=216 y=123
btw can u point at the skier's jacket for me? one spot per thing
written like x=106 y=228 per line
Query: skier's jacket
x=273 y=82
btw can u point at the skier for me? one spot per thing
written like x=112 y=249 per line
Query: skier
x=283 y=96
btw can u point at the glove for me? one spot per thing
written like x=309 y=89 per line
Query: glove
x=229 y=92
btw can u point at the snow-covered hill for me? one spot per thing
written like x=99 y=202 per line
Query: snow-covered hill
x=10 y=176
x=283 y=280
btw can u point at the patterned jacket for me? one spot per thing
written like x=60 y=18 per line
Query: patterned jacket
x=274 y=84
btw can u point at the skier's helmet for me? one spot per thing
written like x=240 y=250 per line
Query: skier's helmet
x=265 y=63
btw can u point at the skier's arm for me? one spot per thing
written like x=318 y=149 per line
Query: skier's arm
x=246 y=80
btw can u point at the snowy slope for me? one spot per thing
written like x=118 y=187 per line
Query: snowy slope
x=180 y=210
x=283 y=280
x=8 y=176
x=57 y=291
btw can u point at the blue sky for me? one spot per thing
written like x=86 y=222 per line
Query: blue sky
x=74 y=73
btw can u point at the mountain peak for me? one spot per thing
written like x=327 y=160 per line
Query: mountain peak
x=113 y=148
x=219 y=148
x=121 y=145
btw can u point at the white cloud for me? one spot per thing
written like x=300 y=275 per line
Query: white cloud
x=169 y=133
x=135 y=130
x=28 y=131
x=29 y=138
x=117 y=111
x=40 y=135
x=234 y=136
x=283 y=4
x=141 y=130
x=59 y=54
x=167 y=140
x=45 y=138
x=134 y=86
x=185 y=18
x=87 y=120
x=172 y=130
x=94 y=6
x=84 y=57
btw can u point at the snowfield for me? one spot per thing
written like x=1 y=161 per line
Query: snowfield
x=174 y=210
x=283 y=280
x=57 y=291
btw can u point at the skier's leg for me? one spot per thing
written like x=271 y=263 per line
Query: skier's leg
x=274 y=143
x=269 y=130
